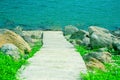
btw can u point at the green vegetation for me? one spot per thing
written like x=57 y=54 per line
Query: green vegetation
x=112 y=71
x=83 y=50
x=9 y=67
x=34 y=49
x=116 y=59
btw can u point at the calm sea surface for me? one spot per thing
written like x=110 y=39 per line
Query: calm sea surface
x=46 y=13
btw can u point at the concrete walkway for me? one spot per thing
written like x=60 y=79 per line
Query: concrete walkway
x=57 y=60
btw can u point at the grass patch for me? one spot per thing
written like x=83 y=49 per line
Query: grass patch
x=83 y=50
x=35 y=48
x=112 y=69
x=116 y=59
x=9 y=67
x=112 y=73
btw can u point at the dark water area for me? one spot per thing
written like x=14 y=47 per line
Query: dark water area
x=42 y=14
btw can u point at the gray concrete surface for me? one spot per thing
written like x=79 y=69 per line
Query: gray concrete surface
x=56 y=60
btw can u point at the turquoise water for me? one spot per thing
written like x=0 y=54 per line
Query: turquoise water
x=45 y=13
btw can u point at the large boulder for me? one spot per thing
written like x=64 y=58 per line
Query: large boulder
x=11 y=50
x=82 y=36
x=97 y=59
x=7 y=36
x=86 y=41
x=116 y=45
x=104 y=57
x=70 y=30
x=100 y=37
x=95 y=64
x=116 y=33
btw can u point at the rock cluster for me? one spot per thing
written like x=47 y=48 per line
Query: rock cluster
x=17 y=43
x=13 y=44
x=96 y=38
x=32 y=36
x=7 y=36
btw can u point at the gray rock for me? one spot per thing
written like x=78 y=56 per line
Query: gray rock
x=2 y=31
x=104 y=57
x=18 y=30
x=67 y=37
x=11 y=50
x=102 y=49
x=100 y=37
x=86 y=41
x=27 y=38
x=70 y=30
x=73 y=42
x=81 y=34
x=116 y=33
x=8 y=36
x=116 y=45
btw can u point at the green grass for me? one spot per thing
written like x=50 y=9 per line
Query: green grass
x=83 y=50
x=34 y=49
x=9 y=67
x=116 y=59
x=111 y=73
x=112 y=69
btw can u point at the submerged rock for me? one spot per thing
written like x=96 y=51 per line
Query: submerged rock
x=7 y=36
x=11 y=50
